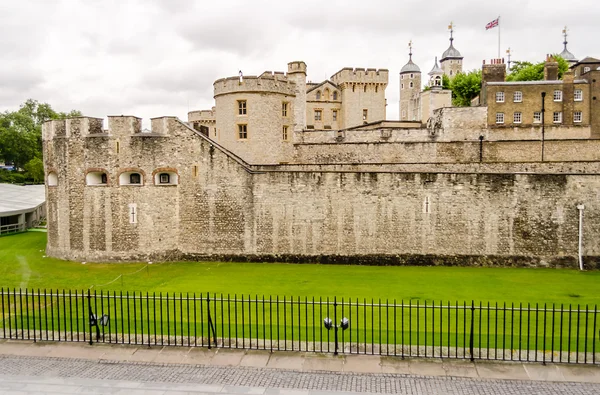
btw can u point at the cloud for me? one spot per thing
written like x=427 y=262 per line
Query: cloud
x=156 y=57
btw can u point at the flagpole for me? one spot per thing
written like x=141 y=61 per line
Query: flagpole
x=498 y=37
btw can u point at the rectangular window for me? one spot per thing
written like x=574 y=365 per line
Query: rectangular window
x=242 y=132
x=284 y=109
x=557 y=117
x=318 y=114
x=557 y=95
x=518 y=97
x=517 y=117
x=334 y=115
x=241 y=107
x=365 y=114
x=578 y=95
x=285 y=133
x=499 y=117
x=499 y=97
x=577 y=116
x=537 y=117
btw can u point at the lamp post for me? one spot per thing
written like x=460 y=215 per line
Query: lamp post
x=543 y=121
x=329 y=324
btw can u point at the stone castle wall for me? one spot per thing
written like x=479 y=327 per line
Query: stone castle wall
x=224 y=208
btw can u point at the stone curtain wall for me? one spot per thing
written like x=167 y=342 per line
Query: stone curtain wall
x=503 y=215
x=225 y=209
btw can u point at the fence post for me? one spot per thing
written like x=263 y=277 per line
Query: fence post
x=89 y=297
x=472 y=335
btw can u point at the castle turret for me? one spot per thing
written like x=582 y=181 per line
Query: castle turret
x=254 y=116
x=363 y=95
x=297 y=73
x=410 y=86
x=451 y=61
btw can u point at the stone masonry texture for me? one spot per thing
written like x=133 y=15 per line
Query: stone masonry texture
x=224 y=208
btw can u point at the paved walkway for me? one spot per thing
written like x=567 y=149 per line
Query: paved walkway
x=28 y=368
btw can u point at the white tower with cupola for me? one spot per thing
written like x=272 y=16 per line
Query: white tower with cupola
x=410 y=86
x=452 y=60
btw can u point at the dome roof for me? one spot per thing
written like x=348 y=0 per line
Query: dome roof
x=410 y=67
x=451 y=52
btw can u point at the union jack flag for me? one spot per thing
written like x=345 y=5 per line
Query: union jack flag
x=492 y=24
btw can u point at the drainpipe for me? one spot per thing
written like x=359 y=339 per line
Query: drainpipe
x=580 y=207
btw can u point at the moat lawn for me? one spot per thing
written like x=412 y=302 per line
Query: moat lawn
x=23 y=265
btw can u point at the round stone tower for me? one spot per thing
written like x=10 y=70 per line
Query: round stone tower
x=452 y=60
x=410 y=86
x=297 y=74
x=255 y=116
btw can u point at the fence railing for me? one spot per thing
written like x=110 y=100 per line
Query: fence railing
x=13 y=228
x=536 y=333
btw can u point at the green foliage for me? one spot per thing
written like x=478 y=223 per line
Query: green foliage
x=11 y=177
x=465 y=87
x=21 y=131
x=527 y=71
x=34 y=169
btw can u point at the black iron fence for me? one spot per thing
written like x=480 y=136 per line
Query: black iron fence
x=523 y=332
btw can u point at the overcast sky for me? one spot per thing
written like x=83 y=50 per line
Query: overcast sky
x=160 y=57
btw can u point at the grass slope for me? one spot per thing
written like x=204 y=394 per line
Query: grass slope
x=22 y=265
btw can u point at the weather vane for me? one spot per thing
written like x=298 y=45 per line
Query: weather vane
x=451 y=27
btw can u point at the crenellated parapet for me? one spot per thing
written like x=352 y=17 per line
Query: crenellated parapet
x=118 y=126
x=265 y=83
x=350 y=75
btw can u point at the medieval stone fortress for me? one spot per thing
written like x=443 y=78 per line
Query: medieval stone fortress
x=284 y=169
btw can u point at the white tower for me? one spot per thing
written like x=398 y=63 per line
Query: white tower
x=451 y=61
x=410 y=86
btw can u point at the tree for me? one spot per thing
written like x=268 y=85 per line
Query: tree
x=527 y=71
x=465 y=87
x=34 y=169
x=21 y=131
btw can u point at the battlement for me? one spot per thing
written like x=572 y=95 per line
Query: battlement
x=202 y=115
x=361 y=76
x=296 y=67
x=120 y=125
x=267 y=82
x=72 y=127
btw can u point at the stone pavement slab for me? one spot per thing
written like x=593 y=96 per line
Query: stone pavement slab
x=228 y=357
x=286 y=360
x=255 y=358
x=362 y=364
x=498 y=371
x=323 y=362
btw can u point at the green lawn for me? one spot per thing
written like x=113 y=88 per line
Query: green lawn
x=22 y=265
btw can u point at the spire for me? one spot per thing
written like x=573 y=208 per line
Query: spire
x=565 y=54
x=410 y=67
x=451 y=52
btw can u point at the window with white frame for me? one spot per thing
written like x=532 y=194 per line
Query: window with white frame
x=365 y=114
x=131 y=178
x=537 y=117
x=578 y=95
x=557 y=117
x=52 y=179
x=518 y=97
x=318 y=115
x=586 y=69
x=557 y=96
x=411 y=85
x=318 y=95
x=499 y=97
x=517 y=117
x=334 y=115
x=499 y=117
x=577 y=116
x=168 y=177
